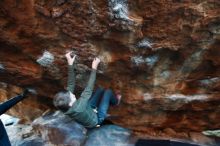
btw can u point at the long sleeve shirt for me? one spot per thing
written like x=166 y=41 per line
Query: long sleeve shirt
x=81 y=111
x=71 y=78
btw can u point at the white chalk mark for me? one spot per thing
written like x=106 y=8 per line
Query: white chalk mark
x=2 y=67
x=119 y=9
x=144 y=43
x=150 y=61
x=138 y=60
x=187 y=98
x=175 y=97
x=46 y=60
x=147 y=96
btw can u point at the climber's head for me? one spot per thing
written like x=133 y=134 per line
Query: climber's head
x=63 y=100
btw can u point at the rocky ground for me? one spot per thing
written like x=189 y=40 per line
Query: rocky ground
x=55 y=129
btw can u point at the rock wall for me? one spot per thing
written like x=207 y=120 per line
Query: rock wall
x=162 y=54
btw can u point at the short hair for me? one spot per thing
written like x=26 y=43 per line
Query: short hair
x=61 y=100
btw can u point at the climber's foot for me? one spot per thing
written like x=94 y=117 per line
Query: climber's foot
x=118 y=96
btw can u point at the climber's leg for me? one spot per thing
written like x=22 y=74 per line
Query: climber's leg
x=107 y=98
x=93 y=101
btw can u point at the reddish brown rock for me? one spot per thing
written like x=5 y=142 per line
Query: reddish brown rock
x=162 y=55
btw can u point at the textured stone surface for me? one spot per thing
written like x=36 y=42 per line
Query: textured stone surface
x=28 y=109
x=25 y=136
x=55 y=129
x=163 y=56
x=109 y=135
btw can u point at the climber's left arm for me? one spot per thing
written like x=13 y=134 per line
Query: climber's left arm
x=71 y=73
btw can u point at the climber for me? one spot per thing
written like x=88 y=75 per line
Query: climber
x=4 y=140
x=85 y=110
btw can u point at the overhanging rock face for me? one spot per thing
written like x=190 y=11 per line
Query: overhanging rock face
x=162 y=55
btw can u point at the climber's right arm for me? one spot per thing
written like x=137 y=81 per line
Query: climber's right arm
x=91 y=83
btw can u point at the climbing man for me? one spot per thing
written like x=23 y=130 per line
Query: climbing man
x=89 y=109
x=4 y=140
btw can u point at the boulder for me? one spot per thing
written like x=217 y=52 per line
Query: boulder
x=162 y=55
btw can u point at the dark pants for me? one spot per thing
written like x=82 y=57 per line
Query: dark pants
x=101 y=100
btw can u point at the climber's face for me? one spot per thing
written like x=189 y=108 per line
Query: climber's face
x=72 y=99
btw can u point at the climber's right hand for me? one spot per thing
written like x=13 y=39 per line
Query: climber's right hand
x=95 y=63
x=70 y=57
